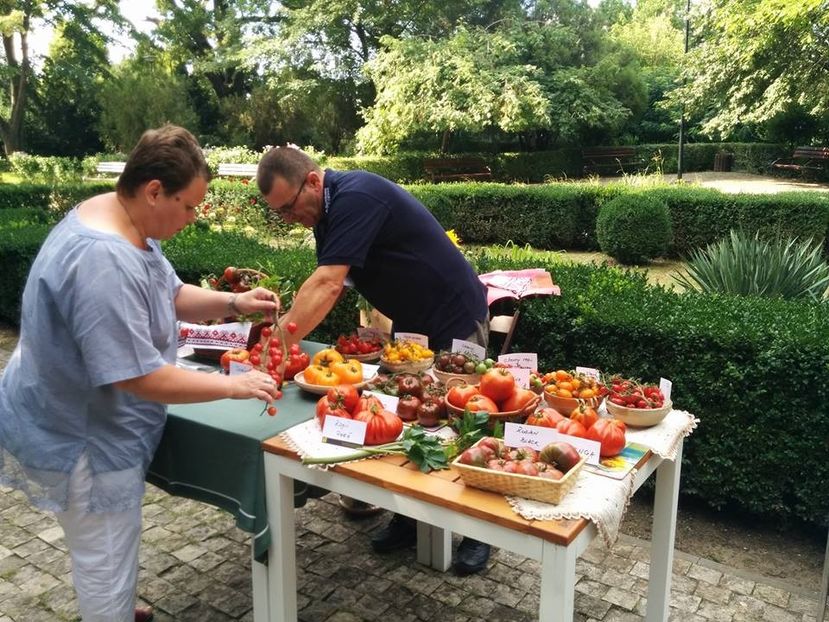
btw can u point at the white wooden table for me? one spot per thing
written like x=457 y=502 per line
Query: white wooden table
x=440 y=498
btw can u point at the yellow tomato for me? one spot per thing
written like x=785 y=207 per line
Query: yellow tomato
x=327 y=357
x=349 y=372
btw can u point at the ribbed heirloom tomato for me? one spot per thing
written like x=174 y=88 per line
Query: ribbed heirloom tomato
x=611 y=434
x=382 y=426
x=545 y=418
x=585 y=415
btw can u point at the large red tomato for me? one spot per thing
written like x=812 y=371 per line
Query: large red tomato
x=366 y=402
x=233 y=355
x=459 y=395
x=326 y=409
x=571 y=428
x=382 y=426
x=610 y=433
x=343 y=396
x=296 y=363
x=545 y=418
x=497 y=384
x=518 y=400
x=481 y=403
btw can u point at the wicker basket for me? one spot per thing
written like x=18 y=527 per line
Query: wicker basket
x=639 y=417
x=370 y=357
x=512 y=416
x=566 y=405
x=446 y=377
x=527 y=486
x=407 y=366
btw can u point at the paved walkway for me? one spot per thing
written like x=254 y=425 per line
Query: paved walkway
x=195 y=566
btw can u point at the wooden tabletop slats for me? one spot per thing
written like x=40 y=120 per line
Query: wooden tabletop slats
x=445 y=489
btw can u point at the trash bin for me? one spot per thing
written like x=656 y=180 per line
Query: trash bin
x=723 y=161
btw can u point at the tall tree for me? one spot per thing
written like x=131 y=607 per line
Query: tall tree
x=17 y=18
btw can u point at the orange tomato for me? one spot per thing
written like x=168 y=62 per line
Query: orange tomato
x=517 y=401
x=564 y=393
x=313 y=372
x=585 y=415
x=349 y=372
x=326 y=357
x=563 y=375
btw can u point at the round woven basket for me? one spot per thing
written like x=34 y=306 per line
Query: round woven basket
x=370 y=357
x=566 y=405
x=448 y=377
x=407 y=366
x=639 y=417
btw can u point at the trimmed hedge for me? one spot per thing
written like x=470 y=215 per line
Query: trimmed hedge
x=634 y=228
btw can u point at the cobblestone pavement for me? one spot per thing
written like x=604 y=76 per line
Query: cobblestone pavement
x=195 y=566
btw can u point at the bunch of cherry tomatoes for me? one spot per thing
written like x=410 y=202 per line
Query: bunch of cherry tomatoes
x=632 y=394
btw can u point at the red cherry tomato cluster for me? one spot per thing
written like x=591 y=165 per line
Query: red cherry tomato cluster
x=632 y=394
x=352 y=344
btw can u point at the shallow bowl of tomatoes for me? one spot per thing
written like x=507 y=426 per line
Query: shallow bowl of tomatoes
x=410 y=366
x=322 y=389
x=364 y=350
x=639 y=417
x=506 y=416
x=566 y=405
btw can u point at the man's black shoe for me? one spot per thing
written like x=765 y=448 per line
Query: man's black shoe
x=471 y=556
x=400 y=533
x=300 y=494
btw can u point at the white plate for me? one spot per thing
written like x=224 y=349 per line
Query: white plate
x=321 y=389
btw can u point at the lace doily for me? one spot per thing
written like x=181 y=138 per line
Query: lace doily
x=305 y=439
x=664 y=439
x=599 y=499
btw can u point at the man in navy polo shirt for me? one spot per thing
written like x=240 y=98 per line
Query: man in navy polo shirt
x=375 y=236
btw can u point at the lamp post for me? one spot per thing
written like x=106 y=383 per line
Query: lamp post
x=681 y=156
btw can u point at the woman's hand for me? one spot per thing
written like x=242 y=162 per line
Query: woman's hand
x=253 y=384
x=258 y=300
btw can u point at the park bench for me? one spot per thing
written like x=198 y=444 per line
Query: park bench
x=228 y=169
x=610 y=159
x=105 y=169
x=804 y=159
x=456 y=169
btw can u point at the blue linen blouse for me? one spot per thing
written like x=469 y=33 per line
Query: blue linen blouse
x=96 y=310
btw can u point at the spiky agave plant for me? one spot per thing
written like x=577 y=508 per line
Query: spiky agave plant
x=754 y=266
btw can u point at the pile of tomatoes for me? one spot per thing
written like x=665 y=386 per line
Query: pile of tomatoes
x=328 y=368
x=382 y=426
x=632 y=394
x=584 y=422
x=458 y=363
x=552 y=462
x=353 y=344
x=496 y=393
x=570 y=384
x=402 y=351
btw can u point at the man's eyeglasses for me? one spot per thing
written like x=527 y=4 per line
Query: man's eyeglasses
x=285 y=209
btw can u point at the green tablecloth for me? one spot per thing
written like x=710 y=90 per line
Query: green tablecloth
x=211 y=452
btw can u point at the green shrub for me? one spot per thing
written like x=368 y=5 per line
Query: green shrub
x=749 y=265
x=46 y=169
x=634 y=228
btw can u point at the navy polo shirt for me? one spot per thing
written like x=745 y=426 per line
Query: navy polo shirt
x=401 y=259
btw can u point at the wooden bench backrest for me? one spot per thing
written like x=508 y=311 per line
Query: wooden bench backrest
x=237 y=170
x=609 y=152
x=456 y=164
x=110 y=167
x=819 y=153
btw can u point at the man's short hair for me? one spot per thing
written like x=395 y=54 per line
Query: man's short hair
x=169 y=154
x=290 y=163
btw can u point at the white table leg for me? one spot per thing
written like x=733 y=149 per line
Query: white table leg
x=282 y=552
x=434 y=546
x=662 y=540
x=821 y=606
x=558 y=582
x=259 y=574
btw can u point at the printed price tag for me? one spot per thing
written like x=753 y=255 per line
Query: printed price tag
x=528 y=360
x=665 y=386
x=467 y=347
x=345 y=432
x=413 y=337
x=521 y=375
x=389 y=402
x=238 y=367
x=586 y=448
x=589 y=372
x=369 y=370
x=367 y=333
x=521 y=435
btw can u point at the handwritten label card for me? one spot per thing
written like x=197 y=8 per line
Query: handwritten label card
x=467 y=347
x=369 y=370
x=521 y=435
x=238 y=367
x=586 y=448
x=521 y=375
x=665 y=386
x=528 y=360
x=345 y=432
x=589 y=372
x=389 y=402
x=367 y=333
x=413 y=337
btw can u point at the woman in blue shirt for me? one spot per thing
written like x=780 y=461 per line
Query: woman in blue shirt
x=82 y=398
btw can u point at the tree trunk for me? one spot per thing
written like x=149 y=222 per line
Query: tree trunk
x=444 y=143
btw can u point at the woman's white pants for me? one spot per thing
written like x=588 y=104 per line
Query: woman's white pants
x=104 y=552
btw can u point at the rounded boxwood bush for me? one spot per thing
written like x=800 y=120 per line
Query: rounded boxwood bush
x=634 y=228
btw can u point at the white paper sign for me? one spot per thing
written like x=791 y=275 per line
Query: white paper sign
x=413 y=337
x=521 y=375
x=238 y=367
x=367 y=333
x=369 y=371
x=586 y=448
x=521 y=435
x=467 y=347
x=528 y=360
x=342 y=431
x=589 y=372
x=665 y=386
x=389 y=402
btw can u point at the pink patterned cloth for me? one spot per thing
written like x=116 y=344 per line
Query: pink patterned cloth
x=518 y=284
